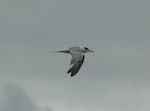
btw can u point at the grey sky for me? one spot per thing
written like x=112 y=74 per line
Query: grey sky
x=15 y=99
x=114 y=78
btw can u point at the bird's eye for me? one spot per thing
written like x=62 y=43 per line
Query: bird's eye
x=86 y=48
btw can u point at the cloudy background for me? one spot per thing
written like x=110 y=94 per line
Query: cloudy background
x=114 y=78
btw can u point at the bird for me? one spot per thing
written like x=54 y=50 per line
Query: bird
x=77 y=58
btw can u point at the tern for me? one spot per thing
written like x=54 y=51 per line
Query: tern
x=77 y=58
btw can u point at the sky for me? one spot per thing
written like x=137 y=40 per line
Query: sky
x=113 y=78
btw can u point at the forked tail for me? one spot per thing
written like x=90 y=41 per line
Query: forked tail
x=63 y=51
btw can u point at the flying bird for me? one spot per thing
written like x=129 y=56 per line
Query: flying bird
x=77 y=58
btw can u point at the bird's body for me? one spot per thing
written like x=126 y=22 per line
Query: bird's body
x=77 y=58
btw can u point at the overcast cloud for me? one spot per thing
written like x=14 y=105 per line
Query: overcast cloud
x=15 y=99
x=114 y=78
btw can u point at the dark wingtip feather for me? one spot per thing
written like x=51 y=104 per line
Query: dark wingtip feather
x=68 y=71
x=72 y=75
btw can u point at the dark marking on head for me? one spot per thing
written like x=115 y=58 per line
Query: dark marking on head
x=86 y=48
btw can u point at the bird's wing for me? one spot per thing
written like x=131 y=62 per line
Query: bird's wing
x=78 y=66
x=76 y=56
x=76 y=61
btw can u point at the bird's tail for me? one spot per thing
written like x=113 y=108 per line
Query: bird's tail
x=63 y=51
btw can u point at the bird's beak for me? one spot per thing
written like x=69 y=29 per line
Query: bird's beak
x=90 y=51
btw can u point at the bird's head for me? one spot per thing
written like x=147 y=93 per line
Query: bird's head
x=85 y=49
